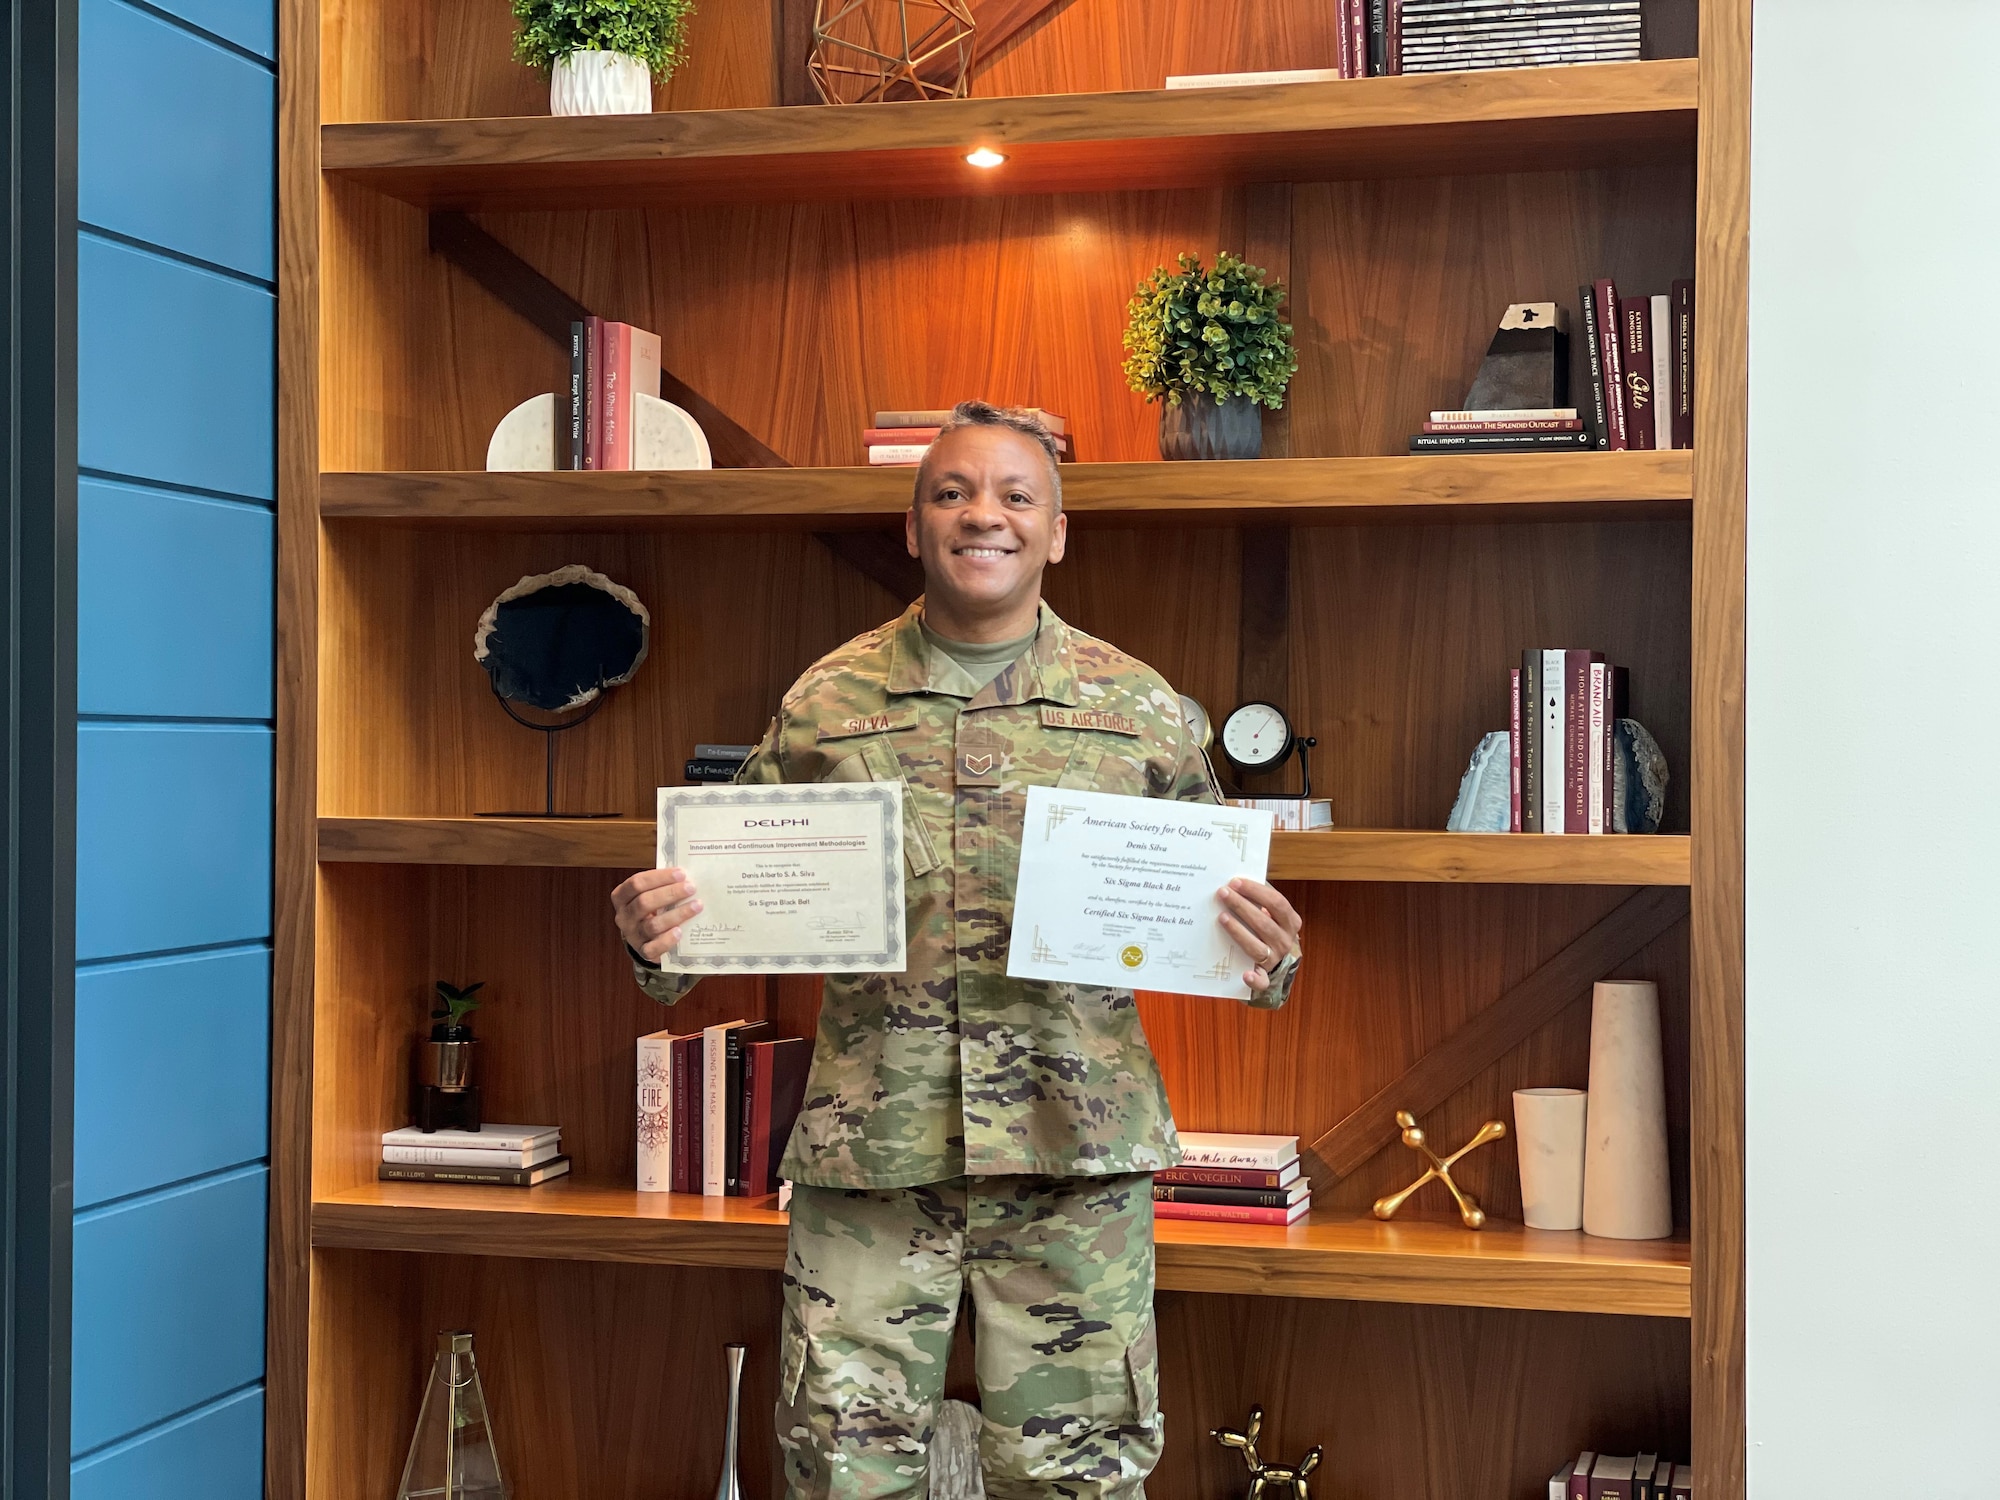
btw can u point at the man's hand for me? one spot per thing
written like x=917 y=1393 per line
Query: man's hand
x=1261 y=922
x=652 y=907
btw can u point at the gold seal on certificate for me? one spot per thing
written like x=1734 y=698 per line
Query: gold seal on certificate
x=791 y=879
x=1122 y=892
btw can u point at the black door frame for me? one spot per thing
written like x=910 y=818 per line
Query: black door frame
x=38 y=724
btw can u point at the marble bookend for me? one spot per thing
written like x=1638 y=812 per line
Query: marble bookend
x=527 y=439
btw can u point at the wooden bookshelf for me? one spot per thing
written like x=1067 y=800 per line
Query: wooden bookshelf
x=1325 y=1255
x=1298 y=491
x=1380 y=854
x=1381 y=596
x=1516 y=120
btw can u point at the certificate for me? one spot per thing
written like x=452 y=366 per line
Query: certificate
x=1122 y=892
x=790 y=878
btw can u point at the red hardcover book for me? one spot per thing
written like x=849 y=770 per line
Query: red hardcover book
x=774 y=1079
x=1239 y=1177
x=877 y=436
x=1357 y=36
x=1599 y=696
x=617 y=432
x=1526 y=424
x=685 y=1055
x=1611 y=1479
x=1223 y=1213
x=1609 y=339
x=1576 y=740
x=593 y=385
x=1635 y=351
x=1344 y=36
x=1683 y=364
x=1514 y=752
x=1579 y=1477
x=1395 y=36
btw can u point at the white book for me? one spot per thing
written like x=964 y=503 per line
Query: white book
x=1553 y=692
x=656 y=1113
x=470 y=1156
x=1245 y=80
x=715 y=1138
x=897 y=453
x=486 y=1138
x=1599 y=674
x=1663 y=372
x=1203 y=1148
x=1513 y=414
x=1559 y=1481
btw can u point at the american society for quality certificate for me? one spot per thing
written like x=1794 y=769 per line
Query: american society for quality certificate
x=805 y=878
x=1123 y=892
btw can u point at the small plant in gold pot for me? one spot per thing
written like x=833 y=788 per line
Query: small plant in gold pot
x=1208 y=344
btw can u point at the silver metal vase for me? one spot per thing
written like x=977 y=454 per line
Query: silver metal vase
x=728 y=1487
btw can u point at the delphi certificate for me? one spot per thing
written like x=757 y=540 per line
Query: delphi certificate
x=1121 y=892
x=790 y=878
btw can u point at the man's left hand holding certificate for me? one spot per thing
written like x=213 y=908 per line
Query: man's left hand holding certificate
x=791 y=879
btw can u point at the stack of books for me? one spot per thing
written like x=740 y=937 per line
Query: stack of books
x=1529 y=430
x=1639 y=352
x=1448 y=36
x=1562 y=726
x=717 y=763
x=500 y=1155
x=898 y=438
x=610 y=365
x=1234 y=1179
x=1599 y=1476
x=1290 y=814
x=716 y=1107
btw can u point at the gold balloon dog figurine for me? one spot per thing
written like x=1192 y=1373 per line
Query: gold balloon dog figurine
x=1440 y=1169
x=1268 y=1481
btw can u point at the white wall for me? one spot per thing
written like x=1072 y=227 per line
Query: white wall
x=1874 y=714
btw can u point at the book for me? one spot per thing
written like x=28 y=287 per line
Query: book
x=555 y=1166
x=708 y=772
x=1559 y=1481
x=1597 y=802
x=938 y=416
x=1284 y=1197
x=1663 y=371
x=577 y=406
x=1395 y=37
x=1579 y=1477
x=1683 y=295
x=1514 y=751
x=1553 y=742
x=719 y=1101
x=1290 y=814
x=1247 y=80
x=1529 y=708
x=610 y=389
x=493 y=1137
x=895 y=455
x=1355 y=13
x=1681 y=1486
x=1202 y=1148
x=1644 y=1465
x=1378 y=38
x=1532 y=424
x=1611 y=1478
x=632 y=369
x=1237 y=1177
x=1229 y=1213
x=1512 y=418
x=876 y=436
x=1604 y=295
x=593 y=387
x=774 y=1090
x=687 y=1053
x=466 y=1156
x=1577 y=441
x=1576 y=740
x=1343 y=35
x=655 y=1170
x=1635 y=315
x=1593 y=368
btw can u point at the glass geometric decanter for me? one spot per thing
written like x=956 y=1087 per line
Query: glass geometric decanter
x=451 y=1455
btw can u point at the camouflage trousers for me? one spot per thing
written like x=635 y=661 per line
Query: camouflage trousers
x=1059 y=1271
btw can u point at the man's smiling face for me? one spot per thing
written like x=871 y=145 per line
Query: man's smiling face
x=985 y=524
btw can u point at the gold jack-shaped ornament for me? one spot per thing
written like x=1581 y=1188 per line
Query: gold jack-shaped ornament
x=1440 y=1169
x=1268 y=1481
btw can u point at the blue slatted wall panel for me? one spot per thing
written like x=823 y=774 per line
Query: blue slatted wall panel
x=176 y=333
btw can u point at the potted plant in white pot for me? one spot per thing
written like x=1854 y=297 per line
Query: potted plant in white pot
x=602 y=55
x=1210 y=347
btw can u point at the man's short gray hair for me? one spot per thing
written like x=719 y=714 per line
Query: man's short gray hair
x=1015 y=419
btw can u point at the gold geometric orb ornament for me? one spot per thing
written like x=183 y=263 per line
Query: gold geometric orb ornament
x=866 y=51
x=1440 y=1169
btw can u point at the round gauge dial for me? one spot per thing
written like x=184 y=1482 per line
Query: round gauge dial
x=1196 y=718
x=1257 y=736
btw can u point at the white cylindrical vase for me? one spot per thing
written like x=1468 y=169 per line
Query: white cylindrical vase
x=1626 y=1191
x=600 y=83
x=1549 y=1135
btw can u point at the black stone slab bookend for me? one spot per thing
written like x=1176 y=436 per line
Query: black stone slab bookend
x=1527 y=365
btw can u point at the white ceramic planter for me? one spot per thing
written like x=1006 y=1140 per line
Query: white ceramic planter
x=1549 y=1132
x=1626 y=1194
x=600 y=83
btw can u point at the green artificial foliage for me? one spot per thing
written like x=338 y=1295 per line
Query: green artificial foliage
x=455 y=1004
x=650 y=30
x=1215 y=333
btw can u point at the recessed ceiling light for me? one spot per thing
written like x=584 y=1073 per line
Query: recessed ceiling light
x=984 y=157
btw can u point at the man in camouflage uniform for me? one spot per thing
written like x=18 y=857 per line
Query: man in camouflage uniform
x=965 y=1133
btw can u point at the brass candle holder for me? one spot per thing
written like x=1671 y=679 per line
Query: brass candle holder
x=1439 y=1169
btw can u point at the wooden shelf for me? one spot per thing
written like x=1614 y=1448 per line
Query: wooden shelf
x=1301 y=491
x=1522 y=119
x=1325 y=1256
x=1378 y=854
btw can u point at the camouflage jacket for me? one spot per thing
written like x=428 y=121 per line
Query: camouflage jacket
x=951 y=1068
